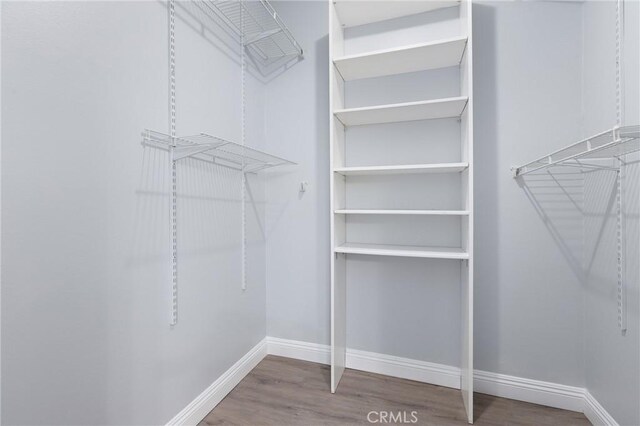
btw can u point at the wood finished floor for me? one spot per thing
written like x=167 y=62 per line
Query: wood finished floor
x=282 y=391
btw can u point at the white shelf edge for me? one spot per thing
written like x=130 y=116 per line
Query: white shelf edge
x=410 y=168
x=405 y=111
x=380 y=11
x=403 y=251
x=404 y=212
x=401 y=55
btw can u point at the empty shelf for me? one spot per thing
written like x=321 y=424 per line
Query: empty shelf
x=408 y=111
x=419 y=57
x=359 y=12
x=258 y=24
x=609 y=144
x=403 y=251
x=214 y=150
x=405 y=169
x=406 y=212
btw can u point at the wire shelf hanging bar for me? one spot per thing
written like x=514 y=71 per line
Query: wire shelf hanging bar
x=214 y=150
x=611 y=143
x=259 y=26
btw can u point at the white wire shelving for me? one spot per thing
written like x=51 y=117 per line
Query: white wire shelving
x=587 y=154
x=609 y=144
x=214 y=150
x=259 y=26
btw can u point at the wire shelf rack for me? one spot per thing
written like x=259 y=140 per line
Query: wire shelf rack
x=259 y=26
x=214 y=150
x=612 y=143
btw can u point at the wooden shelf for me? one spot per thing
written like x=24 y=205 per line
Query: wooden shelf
x=419 y=57
x=407 y=111
x=403 y=251
x=358 y=12
x=404 y=169
x=405 y=212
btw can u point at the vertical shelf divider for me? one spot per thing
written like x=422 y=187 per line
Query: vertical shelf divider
x=337 y=155
x=466 y=133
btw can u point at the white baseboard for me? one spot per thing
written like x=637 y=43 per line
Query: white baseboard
x=502 y=385
x=596 y=413
x=421 y=371
x=313 y=352
x=198 y=409
x=528 y=390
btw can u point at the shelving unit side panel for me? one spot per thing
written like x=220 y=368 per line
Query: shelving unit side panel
x=339 y=320
x=339 y=154
x=466 y=86
x=337 y=200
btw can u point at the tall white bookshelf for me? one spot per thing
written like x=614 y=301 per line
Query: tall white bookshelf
x=416 y=40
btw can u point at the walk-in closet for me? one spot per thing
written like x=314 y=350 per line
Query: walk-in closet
x=320 y=212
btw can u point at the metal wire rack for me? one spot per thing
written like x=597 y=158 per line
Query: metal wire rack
x=259 y=26
x=214 y=150
x=612 y=143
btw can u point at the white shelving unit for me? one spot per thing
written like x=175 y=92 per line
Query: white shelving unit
x=416 y=55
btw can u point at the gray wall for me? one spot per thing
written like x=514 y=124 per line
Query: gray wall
x=612 y=360
x=85 y=242
x=529 y=303
x=297 y=123
x=520 y=330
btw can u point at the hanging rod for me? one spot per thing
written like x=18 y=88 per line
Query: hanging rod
x=214 y=150
x=609 y=144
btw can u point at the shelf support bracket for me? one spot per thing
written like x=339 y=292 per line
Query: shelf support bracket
x=187 y=151
x=261 y=36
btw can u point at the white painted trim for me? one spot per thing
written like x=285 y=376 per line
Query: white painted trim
x=313 y=352
x=421 y=371
x=198 y=409
x=595 y=412
x=405 y=368
x=528 y=390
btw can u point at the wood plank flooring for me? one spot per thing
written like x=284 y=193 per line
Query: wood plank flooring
x=282 y=391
